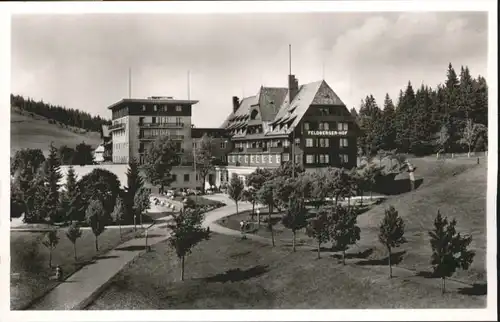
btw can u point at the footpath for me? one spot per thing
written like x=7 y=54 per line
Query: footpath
x=81 y=288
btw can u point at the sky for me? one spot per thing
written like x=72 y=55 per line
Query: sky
x=82 y=61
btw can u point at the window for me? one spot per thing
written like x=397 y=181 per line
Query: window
x=309 y=158
x=223 y=145
x=155 y=108
x=344 y=142
x=326 y=126
x=164 y=108
x=240 y=158
x=309 y=143
x=178 y=108
x=178 y=121
x=324 y=142
x=286 y=157
x=252 y=158
x=153 y=120
x=278 y=158
x=257 y=158
x=321 y=126
x=297 y=141
x=194 y=145
x=321 y=158
x=297 y=158
x=344 y=159
x=306 y=126
x=342 y=126
x=174 y=177
x=286 y=143
x=270 y=158
x=246 y=158
x=264 y=158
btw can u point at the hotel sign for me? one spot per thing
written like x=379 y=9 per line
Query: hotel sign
x=327 y=133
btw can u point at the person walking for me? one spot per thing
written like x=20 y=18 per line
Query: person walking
x=411 y=173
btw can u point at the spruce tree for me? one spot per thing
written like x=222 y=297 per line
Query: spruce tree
x=449 y=249
x=134 y=183
x=52 y=176
x=389 y=129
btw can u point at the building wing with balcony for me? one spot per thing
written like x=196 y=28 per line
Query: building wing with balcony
x=136 y=123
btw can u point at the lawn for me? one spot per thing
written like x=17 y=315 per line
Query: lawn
x=230 y=273
x=201 y=201
x=282 y=234
x=30 y=260
x=456 y=187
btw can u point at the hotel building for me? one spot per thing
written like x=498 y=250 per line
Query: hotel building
x=308 y=123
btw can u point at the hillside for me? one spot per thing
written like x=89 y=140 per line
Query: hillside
x=455 y=187
x=35 y=132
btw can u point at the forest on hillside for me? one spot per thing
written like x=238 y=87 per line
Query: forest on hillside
x=449 y=118
x=61 y=114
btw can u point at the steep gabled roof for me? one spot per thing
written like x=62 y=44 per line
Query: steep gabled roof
x=299 y=104
x=242 y=111
x=316 y=93
x=274 y=107
x=270 y=100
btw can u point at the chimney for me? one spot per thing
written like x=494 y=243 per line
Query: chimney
x=236 y=103
x=293 y=87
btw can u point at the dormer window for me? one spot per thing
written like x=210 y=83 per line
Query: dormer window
x=254 y=114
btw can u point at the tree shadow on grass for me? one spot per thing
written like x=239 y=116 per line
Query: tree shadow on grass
x=477 y=289
x=363 y=254
x=427 y=274
x=236 y=275
x=396 y=258
x=149 y=236
x=131 y=248
x=105 y=257
x=240 y=254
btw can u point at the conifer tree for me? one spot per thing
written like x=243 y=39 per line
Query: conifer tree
x=343 y=229
x=391 y=232
x=134 y=183
x=449 y=249
x=187 y=232
x=52 y=176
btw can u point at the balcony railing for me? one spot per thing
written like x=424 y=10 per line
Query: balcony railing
x=116 y=126
x=279 y=149
x=256 y=149
x=154 y=137
x=162 y=125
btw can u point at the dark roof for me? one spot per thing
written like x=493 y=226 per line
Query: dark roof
x=274 y=108
x=151 y=100
x=270 y=100
x=197 y=133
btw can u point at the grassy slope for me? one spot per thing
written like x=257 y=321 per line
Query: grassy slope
x=37 y=133
x=29 y=258
x=267 y=278
x=457 y=188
